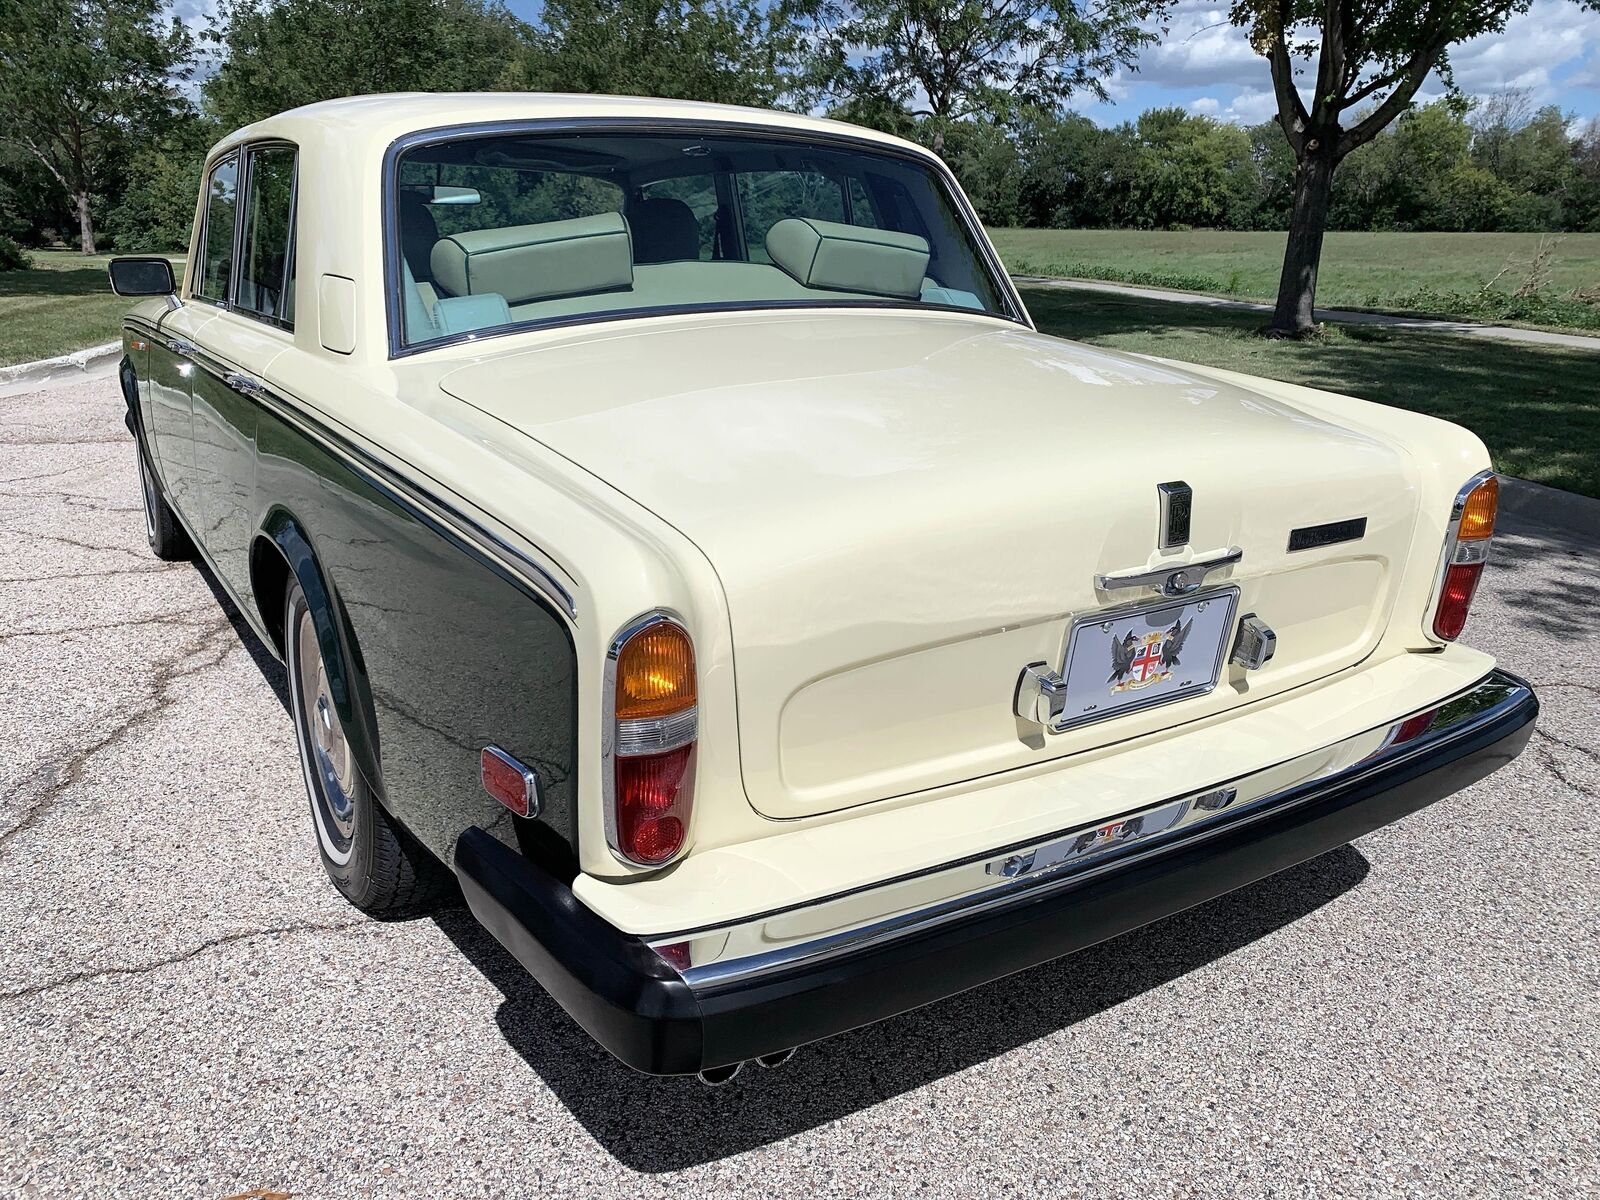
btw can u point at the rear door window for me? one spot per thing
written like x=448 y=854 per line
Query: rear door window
x=216 y=248
x=266 y=276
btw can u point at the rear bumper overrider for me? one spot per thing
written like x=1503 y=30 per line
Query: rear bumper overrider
x=757 y=987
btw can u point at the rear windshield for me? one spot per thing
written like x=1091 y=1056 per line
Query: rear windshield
x=506 y=231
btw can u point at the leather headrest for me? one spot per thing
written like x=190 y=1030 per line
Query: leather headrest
x=849 y=258
x=537 y=262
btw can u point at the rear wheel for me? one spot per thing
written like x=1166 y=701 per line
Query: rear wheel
x=374 y=863
x=167 y=539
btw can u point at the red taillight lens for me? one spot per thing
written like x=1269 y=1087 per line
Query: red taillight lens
x=653 y=804
x=1455 y=598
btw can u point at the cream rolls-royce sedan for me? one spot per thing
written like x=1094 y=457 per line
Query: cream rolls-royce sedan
x=678 y=536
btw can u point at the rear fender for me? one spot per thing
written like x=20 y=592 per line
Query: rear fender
x=341 y=654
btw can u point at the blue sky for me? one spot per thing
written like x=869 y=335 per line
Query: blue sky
x=1551 y=52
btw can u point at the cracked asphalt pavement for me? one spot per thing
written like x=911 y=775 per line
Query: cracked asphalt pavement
x=188 y=1009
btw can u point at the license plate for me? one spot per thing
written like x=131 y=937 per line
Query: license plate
x=1132 y=659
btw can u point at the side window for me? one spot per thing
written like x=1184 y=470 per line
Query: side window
x=266 y=276
x=216 y=251
x=767 y=197
x=861 y=210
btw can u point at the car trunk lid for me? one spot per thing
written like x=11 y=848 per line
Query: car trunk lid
x=905 y=511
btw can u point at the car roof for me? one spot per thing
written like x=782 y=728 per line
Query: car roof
x=384 y=117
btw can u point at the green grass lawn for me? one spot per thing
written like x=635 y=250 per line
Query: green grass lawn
x=64 y=303
x=1364 y=270
x=1536 y=407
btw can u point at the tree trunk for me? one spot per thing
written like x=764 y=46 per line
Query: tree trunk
x=1295 y=314
x=85 y=223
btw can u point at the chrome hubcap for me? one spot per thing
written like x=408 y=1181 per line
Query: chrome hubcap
x=332 y=768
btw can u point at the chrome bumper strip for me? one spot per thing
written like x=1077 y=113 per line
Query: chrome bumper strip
x=805 y=934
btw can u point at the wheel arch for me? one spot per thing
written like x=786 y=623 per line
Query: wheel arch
x=282 y=552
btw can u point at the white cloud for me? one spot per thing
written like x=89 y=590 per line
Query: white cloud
x=1533 y=48
x=1252 y=106
x=1206 y=106
x=1199 y=49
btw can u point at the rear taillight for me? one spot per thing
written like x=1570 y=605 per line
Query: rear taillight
x=1471 y=528
x=652 y=697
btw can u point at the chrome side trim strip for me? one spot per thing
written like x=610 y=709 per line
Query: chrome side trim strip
x=406 y=492
x=803 y=934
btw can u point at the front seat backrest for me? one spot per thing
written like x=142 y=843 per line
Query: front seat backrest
x=664 y=230
x=418 y=233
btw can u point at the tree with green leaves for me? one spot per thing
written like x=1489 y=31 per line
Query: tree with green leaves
x=81 y=81
x=948 y=60
x=1371 y=56
x=729 y=51
x=280 y=54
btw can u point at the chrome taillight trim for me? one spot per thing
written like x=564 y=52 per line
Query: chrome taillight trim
x=1447 y=553
x=616 y=743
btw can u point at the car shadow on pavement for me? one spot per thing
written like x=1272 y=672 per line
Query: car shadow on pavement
x=658 y=1125
x=1556 y=560
x=271 y=669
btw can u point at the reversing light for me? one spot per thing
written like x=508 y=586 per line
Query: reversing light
x=1472 y=527
x=655 y=723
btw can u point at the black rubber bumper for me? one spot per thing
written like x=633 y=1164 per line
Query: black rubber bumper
x=637 y=1006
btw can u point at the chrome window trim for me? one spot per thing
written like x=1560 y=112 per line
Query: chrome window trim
x=1488 y=699
x=252 y=149
x=407 y=492
x=245 y=153
x=1447 y=553
x=394 y=316
x=197 y=276
x=610 y=751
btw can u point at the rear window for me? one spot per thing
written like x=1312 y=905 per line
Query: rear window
x=507 y=231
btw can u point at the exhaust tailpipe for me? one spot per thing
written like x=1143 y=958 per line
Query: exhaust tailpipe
x=717 y=1076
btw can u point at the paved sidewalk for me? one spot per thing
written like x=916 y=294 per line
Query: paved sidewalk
x=1343 y=316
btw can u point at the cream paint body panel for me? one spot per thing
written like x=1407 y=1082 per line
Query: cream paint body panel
x=807 y=864
x=904 y=513
x=616 y=558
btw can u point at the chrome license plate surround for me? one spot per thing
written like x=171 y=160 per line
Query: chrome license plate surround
x=1199 y=679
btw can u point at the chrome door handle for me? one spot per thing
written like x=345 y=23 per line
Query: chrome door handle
x=1179 y=579
x=248 y=384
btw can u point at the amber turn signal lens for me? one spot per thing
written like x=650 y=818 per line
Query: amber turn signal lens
x=655 y=673
x=1477 y=515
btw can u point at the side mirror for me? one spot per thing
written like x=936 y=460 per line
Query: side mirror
x=141 y=276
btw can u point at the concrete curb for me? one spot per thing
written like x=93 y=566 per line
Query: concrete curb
x=1566 y=511
x=48 y=372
